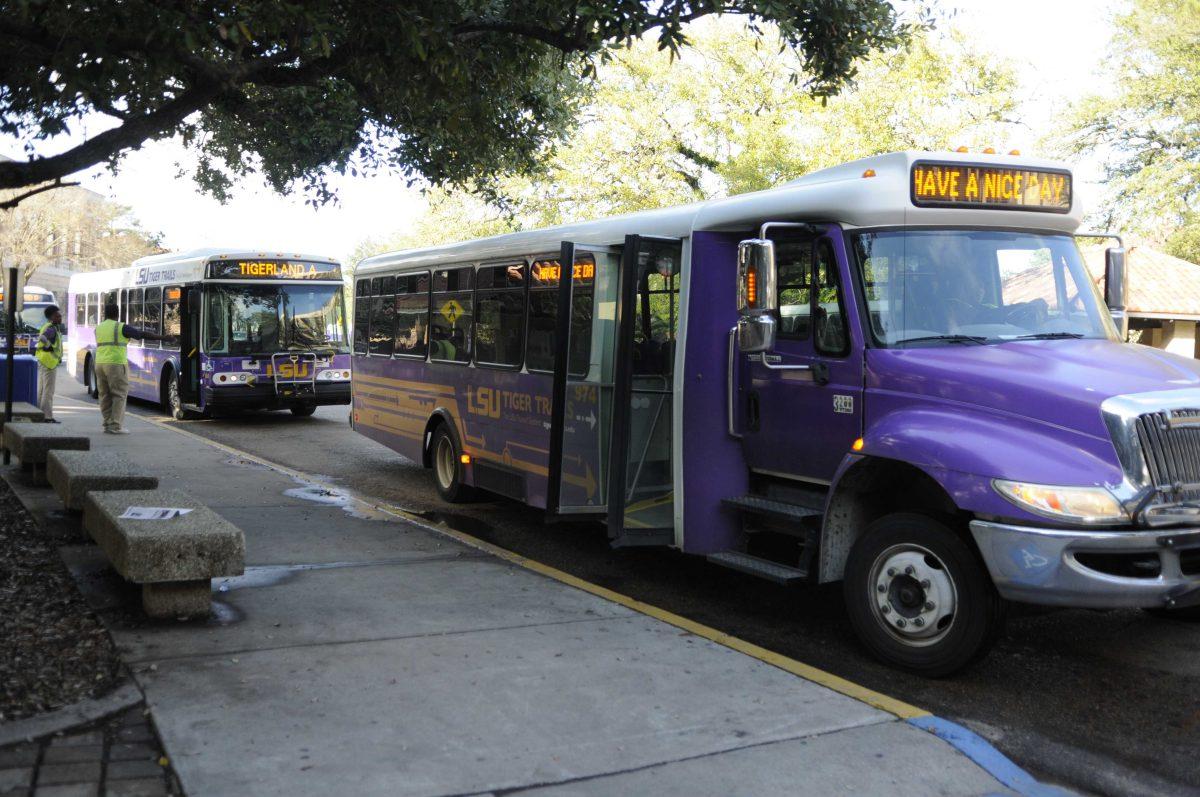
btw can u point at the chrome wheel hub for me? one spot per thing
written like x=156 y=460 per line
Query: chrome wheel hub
x=444 y=459
x=912 y=594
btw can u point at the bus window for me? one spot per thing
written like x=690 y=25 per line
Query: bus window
x=450 y=327
x=124 y=317
x=543 y=314
x=134 y=315
x=171 y=318
x=412 y=315
x=655 y=322
x=152 y=316
x=794 y=270
x=80 y=309
x=500 y=314
x=110 y=297
x=362 y=315
x=383 y=312
x=93 y=308
x=829 y=326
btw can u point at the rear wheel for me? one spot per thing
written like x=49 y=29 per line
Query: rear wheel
x=303 y=410
x=89 y=379
x=918 y=597
x=448 y=468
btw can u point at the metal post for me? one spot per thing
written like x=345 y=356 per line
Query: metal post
x=11 y=347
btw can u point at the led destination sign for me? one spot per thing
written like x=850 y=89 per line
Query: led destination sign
x=960 y=185
x=273 y=270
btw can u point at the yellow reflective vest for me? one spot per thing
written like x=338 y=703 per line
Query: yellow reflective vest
x=47 y=353
x=111 y=343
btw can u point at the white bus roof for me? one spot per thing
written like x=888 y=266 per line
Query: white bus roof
x=838 y=194
x=175 y=267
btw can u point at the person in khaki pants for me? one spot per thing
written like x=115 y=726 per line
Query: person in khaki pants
x=112 y=366
x=49 y=354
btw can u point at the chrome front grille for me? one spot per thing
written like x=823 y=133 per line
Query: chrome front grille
x=1170 y=442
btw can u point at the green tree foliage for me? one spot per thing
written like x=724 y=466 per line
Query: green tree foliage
x=446 y=90
x=1148 y=124
x=725 y=118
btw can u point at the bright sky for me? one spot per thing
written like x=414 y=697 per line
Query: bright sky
x=1057 y=45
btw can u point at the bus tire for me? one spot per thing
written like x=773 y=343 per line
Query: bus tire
x=89 y=378
x=445 y=457
x=303 y=410
x=172 y=402
x=919 y=598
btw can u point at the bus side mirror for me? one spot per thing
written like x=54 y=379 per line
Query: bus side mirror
x=1116 y=289
x=756 y=295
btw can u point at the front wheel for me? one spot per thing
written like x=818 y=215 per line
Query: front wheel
x=918 y=598
x=89 y=379
x=303 y=410
x=173 y=402
x=448 y=468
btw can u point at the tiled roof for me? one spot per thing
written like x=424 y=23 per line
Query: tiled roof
x=1159 y=284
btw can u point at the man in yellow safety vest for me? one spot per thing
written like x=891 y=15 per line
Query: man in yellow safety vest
x=49 y=354
x=112 y=366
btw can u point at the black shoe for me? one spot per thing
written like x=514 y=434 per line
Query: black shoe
x=50 y=420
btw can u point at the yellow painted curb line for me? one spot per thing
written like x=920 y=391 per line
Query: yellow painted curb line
x=838 y=684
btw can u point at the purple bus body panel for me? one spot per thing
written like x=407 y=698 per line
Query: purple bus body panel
x=1026 y=411
x=713 y=464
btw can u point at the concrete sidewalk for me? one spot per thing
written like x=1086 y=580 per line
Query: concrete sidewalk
x=362 y=653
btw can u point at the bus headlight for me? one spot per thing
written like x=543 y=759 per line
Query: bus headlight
x=334 y=375
x=1081 y=504
x=232 y=378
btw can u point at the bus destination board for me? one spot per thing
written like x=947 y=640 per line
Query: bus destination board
x=273 y=270
x=963 y=185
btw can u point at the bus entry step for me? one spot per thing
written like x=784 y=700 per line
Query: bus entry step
x=766 y=506
x=757 y=566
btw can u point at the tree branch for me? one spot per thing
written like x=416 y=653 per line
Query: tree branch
x=9 y=204
x=135 y=131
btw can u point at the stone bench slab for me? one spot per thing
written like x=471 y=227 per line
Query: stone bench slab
x=31 y=442
x=73 y=474
x=173 y=559
x=22 y=411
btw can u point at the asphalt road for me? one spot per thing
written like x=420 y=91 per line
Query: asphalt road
x=1103 y=702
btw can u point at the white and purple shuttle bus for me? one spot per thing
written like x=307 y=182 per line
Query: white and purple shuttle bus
x=245 y=330
x=896 y=373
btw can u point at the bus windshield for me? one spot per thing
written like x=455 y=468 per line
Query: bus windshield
x=29 y=320
x=938 y=287
x=259 y=319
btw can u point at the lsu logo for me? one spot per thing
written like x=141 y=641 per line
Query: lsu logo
x=292 y=370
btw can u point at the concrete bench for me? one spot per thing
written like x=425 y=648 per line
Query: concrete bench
x=22 y=411
x=32 y=442
x=73 y=474
x=174 y=560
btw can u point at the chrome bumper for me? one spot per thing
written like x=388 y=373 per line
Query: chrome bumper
x=1036 y=565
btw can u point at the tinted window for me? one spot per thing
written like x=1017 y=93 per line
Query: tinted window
x=362 y=315
x=171 y=321
x=412 y=314
x=383 y=320
x=133 y=314
x=794 y=268
x=92 y=309
x=500 y=311
x=829 y=328
x=543 y=314
x=125 y=306
x=451 y=316
x=152 y=315
x=80 y=309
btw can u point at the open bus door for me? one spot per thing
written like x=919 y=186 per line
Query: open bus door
x=189 y=345
x=618 y=419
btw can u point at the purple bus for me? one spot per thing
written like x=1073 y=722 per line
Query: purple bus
x=245 y=330
x=896 y=373
x=30 y=317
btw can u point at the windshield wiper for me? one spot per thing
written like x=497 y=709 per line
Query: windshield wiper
x=1049 y=336
x=948 y=338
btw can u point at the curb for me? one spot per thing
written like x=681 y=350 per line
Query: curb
x=965 y=741
x=85 y=712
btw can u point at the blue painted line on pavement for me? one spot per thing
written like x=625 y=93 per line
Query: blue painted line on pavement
x=979 y=750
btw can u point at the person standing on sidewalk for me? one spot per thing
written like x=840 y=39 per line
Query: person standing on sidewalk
x=112 y=366
x=49 y=354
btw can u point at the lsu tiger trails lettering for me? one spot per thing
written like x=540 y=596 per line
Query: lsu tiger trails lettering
x=491 y=402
